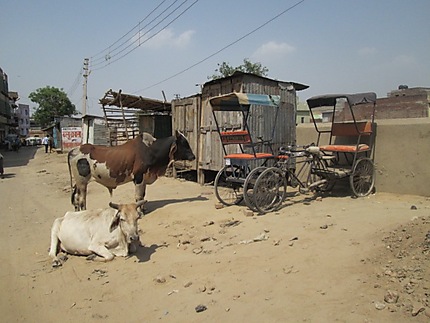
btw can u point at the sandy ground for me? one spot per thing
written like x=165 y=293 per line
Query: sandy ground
x=316 y=260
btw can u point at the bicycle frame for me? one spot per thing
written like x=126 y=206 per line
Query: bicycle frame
x=305 y=168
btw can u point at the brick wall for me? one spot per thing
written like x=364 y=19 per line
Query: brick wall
x=409 y=103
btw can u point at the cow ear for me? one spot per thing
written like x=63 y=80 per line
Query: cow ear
x=115 y=222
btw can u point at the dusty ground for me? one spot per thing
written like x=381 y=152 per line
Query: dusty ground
x=324 y=260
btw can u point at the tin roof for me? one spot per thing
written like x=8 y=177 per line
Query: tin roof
x=297 y=86
x=124 y=100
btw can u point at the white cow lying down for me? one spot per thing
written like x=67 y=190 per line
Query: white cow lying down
x=104 y=233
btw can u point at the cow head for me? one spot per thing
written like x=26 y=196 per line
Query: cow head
x=181 y=149
x=126 y=219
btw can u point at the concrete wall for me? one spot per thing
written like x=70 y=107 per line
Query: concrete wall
x=402 y=154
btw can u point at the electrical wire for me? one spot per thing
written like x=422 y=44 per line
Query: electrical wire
x=222 y=49
x=108 y=51
x=149 y=38
x=93 y=57
x=109 y=57
x=75 y=84
x=101 y=57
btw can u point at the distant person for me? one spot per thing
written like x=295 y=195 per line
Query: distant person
x=1 y=166
x=45 y=142
x=51 y=144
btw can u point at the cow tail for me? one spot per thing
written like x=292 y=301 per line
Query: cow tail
x=73 y=187
x=69 y=156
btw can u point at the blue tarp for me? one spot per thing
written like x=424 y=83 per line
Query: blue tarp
x=234 y=101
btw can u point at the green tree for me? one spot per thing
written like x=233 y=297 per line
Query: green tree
x=52 y=102
x=225 y=69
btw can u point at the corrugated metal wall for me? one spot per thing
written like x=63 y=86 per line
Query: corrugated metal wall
x=101 y=134
x=261 y=122
x=186 y=119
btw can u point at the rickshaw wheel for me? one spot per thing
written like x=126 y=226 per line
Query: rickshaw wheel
x=248 y=187
x=228 y=188
x=270 y=190
x=319 y=173
x=362 y=178
x=326 y=187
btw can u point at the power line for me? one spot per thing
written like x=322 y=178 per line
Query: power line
x=222 y=49
x=152 y=36
x=110 y=50
x=75 y=84
x=107 y=60
x=138 y=40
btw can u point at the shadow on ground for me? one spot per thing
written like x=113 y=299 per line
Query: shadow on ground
x=144 y=253
x=151 y=206
x=18 y=158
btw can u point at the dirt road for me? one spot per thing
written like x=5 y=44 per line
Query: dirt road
x=316 y=260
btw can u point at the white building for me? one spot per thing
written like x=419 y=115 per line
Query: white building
x=22 y=114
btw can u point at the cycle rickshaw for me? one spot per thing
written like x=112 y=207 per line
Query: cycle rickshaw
x=349 y=152
x=246 y=154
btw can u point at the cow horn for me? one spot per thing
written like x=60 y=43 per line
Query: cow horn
x=140 y=203
x=114 y=205
x=173 y=149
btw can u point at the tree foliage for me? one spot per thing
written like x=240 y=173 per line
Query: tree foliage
x=52 y=102
x=225 y=69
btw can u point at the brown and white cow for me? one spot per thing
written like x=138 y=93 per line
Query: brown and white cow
x=104 y=233
x=141 y=160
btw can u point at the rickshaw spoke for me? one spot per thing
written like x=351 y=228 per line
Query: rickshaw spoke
x=248 y=187
x=269 y=190
x=362 y=178
x=228 y=185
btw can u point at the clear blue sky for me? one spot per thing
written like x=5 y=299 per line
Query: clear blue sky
x=330 y=45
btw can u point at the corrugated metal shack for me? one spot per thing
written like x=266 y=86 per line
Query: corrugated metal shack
x=194 y=116
x=127 y=115
x=94 y=130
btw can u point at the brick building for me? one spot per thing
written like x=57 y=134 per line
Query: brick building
x=402 y=103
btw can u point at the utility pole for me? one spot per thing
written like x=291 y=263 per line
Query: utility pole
x=84 y=95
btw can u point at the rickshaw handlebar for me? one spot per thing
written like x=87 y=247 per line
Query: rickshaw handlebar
x=291 y=149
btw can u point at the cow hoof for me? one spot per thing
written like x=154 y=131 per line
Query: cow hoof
x=91 y=257
x=56 y=263
x=63 y=258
